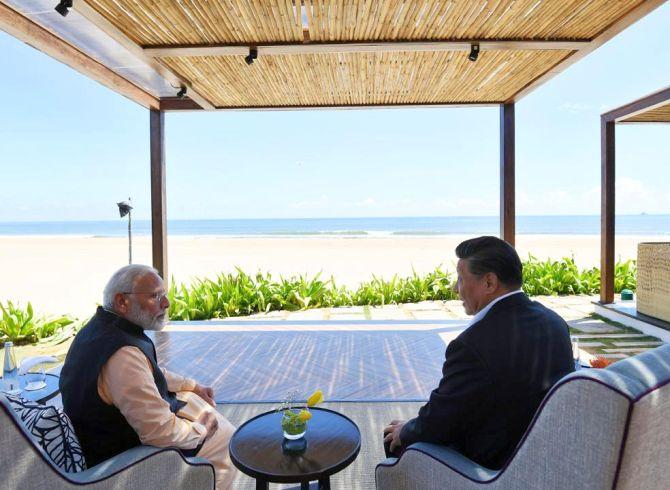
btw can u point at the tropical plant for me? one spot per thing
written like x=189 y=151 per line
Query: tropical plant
x=20 y=326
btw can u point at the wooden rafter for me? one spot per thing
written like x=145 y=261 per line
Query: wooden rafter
x=368 y=47
x=108 y=28
x=39 y=38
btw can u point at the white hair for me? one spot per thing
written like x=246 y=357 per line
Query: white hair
x=123 y=281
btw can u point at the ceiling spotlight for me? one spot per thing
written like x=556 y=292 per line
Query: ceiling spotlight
x=474 y=52
x=182 y=93
x=63 y=6
x=253 y=54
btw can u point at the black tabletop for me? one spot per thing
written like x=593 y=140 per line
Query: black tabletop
x=333 y=442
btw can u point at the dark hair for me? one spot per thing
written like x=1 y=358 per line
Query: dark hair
x=491 y=254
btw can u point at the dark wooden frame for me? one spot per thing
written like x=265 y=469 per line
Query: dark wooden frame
x=608 y=121
x=158 y=195
x=507 y=176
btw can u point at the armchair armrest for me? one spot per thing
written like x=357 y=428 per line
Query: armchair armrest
x=425 y=465
x=150 y=467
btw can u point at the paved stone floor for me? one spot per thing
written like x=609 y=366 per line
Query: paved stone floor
x=597 y=336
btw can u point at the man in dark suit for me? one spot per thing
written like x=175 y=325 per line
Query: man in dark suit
x=498 y=370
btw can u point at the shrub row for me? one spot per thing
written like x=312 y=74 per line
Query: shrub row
x=238 y=293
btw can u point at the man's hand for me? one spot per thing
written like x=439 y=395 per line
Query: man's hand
x=392 y=433
x=209 y=420
x=206 y=393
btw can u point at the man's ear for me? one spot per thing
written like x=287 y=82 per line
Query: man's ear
x=120 y=303
x=492 y=282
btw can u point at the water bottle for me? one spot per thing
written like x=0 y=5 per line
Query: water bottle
x=10 y=370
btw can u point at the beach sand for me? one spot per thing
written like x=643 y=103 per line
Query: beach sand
x=66 y=274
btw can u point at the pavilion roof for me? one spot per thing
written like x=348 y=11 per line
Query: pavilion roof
x=654 y=108
x=326 y=53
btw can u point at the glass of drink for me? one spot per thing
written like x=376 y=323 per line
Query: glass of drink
x=575 y=352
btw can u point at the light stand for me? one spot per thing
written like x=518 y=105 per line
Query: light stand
x=125 y=208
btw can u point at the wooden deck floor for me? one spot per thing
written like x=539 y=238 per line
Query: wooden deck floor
x=349 y=361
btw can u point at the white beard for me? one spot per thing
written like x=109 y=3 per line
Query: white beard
x=144 y=319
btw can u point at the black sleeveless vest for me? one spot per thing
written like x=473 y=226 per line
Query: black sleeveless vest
x=102 y=430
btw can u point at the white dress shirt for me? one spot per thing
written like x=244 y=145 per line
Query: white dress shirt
x=482 y=313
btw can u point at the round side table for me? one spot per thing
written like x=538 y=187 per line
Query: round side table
x=333 y=442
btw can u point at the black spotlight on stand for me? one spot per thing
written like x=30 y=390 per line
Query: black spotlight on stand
x=474 y=52
x=63 y=7
x=125 y=208
x=253 y=54
x=182 y=93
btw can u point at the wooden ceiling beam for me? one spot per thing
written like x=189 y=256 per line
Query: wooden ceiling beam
x=266 y=49
x=638 y=107
x=170 y=104
x=627 y=20
x=112 y=31
x=39 y=38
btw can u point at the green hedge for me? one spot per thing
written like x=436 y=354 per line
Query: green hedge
x=238 y=293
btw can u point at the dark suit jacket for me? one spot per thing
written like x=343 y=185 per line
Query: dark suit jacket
x=494 y=377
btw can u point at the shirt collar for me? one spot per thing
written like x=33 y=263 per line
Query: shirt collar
x=482 y=313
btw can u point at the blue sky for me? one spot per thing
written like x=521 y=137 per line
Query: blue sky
x=70 y=148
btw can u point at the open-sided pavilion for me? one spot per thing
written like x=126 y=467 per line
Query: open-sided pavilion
x=312 y=54
x=222 y=55
x=654 y=108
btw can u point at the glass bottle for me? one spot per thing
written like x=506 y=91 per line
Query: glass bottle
x=10 y=370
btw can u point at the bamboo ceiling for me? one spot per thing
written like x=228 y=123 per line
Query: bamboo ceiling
x=170 y=22
x=336 y=53
x=658 y=114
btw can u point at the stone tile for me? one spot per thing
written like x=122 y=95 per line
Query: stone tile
x=642 y=343
x=625 y=350
x=609 y=335
x=614 y=356
x=346 y=316
x=593 y=326
x=348 y=310
x=587 y=345
x=424 y=306
x=431 y=315
x=316 y=314
x=391 y=312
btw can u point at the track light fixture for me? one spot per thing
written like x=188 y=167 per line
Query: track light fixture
x=182 y=93
x=63 y=6
x=253 y=54
x=474 y=52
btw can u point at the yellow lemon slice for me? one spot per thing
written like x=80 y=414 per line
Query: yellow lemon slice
x=316 y=397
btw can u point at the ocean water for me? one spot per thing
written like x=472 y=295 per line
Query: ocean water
x=349 y=227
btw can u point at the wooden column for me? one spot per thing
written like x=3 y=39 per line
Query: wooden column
x=507 y=203
x=606 y=210
x=158 y=201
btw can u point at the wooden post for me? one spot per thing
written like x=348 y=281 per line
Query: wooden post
x=158 y=201
x=507 y=203
x=607 y=210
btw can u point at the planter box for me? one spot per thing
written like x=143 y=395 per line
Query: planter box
x=653 y=279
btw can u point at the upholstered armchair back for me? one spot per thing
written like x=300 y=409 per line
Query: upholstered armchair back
x=646 y=453
x=597 y=428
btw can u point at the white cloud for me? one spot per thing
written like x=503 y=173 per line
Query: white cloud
x=632 y=197
x=576 y=107
x=365 y=203
x=317 y=203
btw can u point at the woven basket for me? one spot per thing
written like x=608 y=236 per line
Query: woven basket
x=653 y=279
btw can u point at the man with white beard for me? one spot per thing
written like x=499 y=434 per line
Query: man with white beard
x=116 y=395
